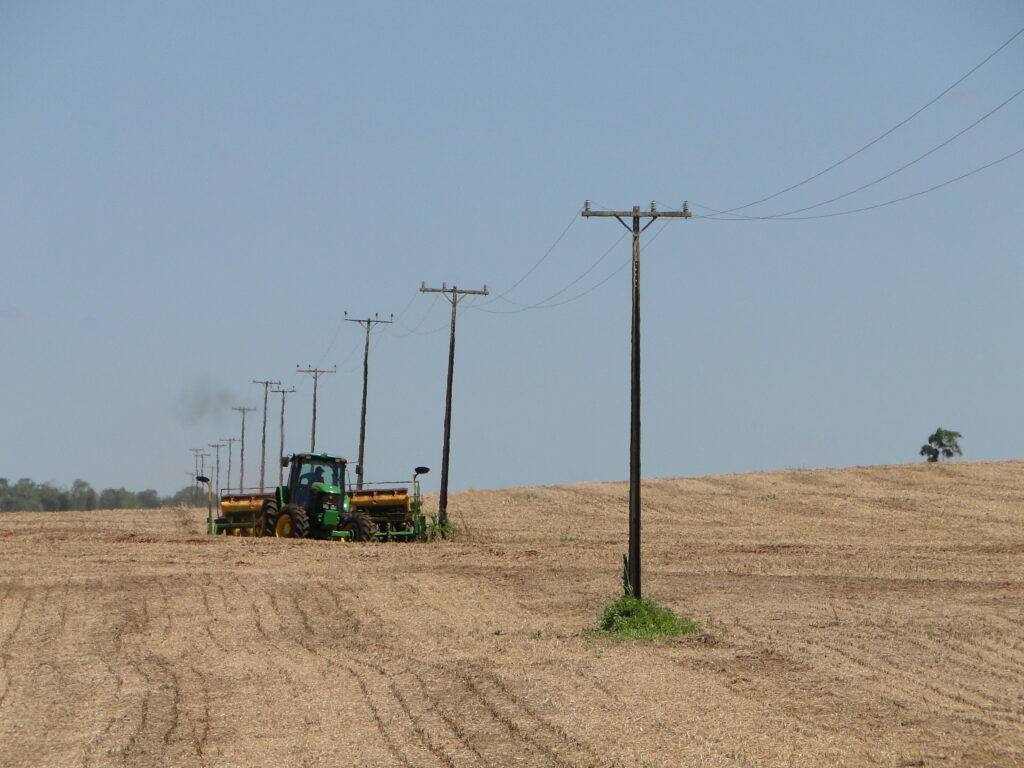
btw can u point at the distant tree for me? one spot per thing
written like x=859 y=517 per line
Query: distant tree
x=83 y=496
x=186 y=497
x=942 y=444
x=52 y=498
x=24 y=496
x=117 y=498
x=148 y=499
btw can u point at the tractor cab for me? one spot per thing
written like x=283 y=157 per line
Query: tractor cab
x=313 y=475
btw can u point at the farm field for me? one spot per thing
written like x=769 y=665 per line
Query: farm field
x=870 y=616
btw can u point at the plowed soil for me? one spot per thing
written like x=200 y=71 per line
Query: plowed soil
x=857 y=617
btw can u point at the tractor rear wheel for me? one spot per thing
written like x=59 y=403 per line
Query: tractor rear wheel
x=360 y=524
x=269 y=518
x=292 y=523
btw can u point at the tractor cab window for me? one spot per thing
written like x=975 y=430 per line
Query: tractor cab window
x=317 y=471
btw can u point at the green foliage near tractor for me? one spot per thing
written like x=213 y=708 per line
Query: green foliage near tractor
x=317 y=504
x=942 y=444
x=635 y=619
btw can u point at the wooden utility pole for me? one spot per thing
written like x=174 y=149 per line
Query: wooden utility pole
x=316 y=373
x=263 y=448
x=195 y=483
x=368 y=324
x=241 y=453
x=633 y=560
x=454 y=295
x=280 y=470
x=216 y=447
x=229 y=441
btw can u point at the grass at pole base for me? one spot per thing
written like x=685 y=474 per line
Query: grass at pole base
x=630 y=618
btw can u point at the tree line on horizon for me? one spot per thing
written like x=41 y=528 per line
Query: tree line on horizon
x=26 y=495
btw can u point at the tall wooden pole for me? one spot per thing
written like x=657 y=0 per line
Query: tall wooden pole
x=368 y=324
x=280 y=469
x=633 y=560
x=454 y=295
x=216 y=478
x=229 y=441
x=241 y=452
x=316 y=373
x=263 y=443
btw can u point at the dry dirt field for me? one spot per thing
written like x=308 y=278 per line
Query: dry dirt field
x=856 y=617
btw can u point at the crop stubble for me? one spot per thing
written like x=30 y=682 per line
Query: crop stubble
x=866 y=616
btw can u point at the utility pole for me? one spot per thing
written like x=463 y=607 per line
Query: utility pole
x=263 y=449
x=195 y=483
x=216 y=447
x=633 y=559
x=241 y=453
x=229 y=441
x=280 y=470
x=316 y=373
x=454 y=295
x=368 y=324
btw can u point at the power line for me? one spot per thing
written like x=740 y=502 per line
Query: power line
x=962 y=176
x=414 y=331
x=544 y=303
x=891 y=173
x=572 y=220
x=874 y=141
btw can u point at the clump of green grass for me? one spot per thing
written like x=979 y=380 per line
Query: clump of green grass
x=436 y=531
x=629 y=617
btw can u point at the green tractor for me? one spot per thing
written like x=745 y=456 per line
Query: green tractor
x=316 y=504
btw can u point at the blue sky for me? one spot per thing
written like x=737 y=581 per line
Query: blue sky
x=193 y=193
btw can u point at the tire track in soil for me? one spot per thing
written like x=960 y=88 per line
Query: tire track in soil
x=955 y=652
x=114 y=661
x=209 y=619
x=330 y=666
x=868 y=659
x=372 y=698
x=957 y=703
x=6 y=657
x=130 y=747
x=989 y=706
x=200 y=726
x=823 y=648
x=505 y=708
x=165 y=633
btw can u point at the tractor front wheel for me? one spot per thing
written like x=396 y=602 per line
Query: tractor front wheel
x=360 y=524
